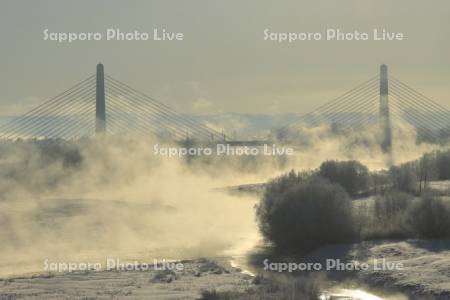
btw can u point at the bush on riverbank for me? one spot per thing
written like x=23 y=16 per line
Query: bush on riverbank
x=299 y=213
x=400 y=215
x=429 y=216
x=351 y=175
x=386 y=216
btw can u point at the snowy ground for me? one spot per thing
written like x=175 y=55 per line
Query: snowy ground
x=440 y=185
x=426 y=266
x=198 y=275
x=425 y=272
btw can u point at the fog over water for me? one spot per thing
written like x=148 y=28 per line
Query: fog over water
x=123 y=201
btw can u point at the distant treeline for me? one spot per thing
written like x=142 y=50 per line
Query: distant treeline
x=37 y=165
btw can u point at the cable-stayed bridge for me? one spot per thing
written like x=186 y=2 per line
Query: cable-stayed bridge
x=382 y=101
x=101 y=104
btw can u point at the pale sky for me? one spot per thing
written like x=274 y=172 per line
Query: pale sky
x=223 y=64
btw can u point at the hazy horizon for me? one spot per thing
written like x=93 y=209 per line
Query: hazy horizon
x=223 y=64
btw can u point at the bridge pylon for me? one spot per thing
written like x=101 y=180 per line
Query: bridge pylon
x=384 y=115
x=100 y=105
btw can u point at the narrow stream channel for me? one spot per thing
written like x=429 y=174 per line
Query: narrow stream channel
x=334 y=290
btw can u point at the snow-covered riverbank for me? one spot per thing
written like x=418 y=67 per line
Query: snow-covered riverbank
x=426 y=266
x=197 y=276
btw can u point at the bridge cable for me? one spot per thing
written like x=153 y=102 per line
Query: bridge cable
x=47 y=103
x=160 y=114
x=165 y=108
x=140 y=113
x=31 y=120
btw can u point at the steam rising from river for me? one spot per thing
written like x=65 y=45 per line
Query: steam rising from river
x=316 y=144
x=121 y=202
x=124 y=201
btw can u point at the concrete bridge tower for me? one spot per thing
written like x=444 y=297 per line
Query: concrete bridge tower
x=100 y=106
x=385 y=120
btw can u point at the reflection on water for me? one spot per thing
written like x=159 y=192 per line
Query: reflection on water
x=356 y=294
x=90 y=230
x=348 y=294
x=243 y=271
